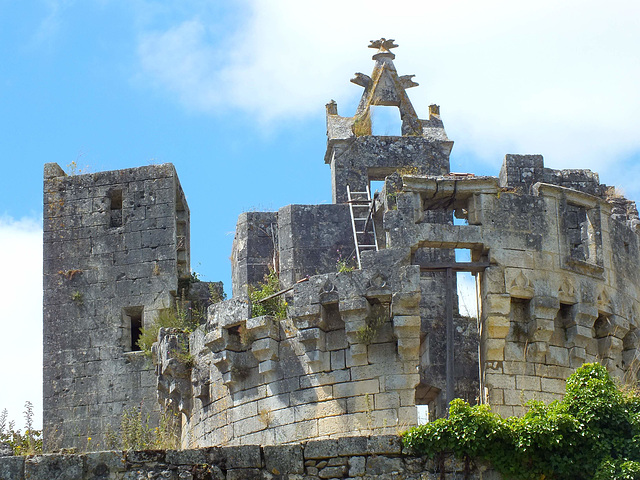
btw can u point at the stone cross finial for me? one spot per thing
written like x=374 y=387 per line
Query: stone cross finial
x=383 y=44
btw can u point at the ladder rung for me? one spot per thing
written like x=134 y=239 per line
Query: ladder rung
x=361 y=193
x=366 y=246
x=361 y=218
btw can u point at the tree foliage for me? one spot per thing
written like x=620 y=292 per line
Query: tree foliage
x=593 y=433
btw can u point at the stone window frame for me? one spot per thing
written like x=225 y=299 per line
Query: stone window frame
x=116 y=198
x=132 y=321
x=596 y=209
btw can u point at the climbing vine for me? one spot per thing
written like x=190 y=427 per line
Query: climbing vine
x=593 y=433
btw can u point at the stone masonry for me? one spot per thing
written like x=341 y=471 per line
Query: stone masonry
x=554 y=254
x=115 y=246
x=365 y=458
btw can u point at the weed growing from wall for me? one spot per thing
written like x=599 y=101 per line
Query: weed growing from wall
x=345 y=263
x=27 y=443
x=377 y=317
x=179 y=318
x=136 y=432
x=275 y=306
x=593 y=433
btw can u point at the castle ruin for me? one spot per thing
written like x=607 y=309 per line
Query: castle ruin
x=554 y=254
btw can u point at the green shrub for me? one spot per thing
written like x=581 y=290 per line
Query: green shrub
x=592 y=433
x=136 y=432
x=178 y=318
x=275 y=306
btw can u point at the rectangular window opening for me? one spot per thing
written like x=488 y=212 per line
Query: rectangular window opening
x=467 y=294
x=133 y=324
x=385 y=120
x=115 y=208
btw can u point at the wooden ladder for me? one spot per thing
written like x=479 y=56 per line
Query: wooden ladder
x=361 y=207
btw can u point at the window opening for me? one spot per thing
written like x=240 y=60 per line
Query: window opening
x=467 y=294
x=460 y=217
x=385 y=120
x=133 y=323
x=577 y=224
x=562 y=321
x=375 y=186
x=423 y=414
x=115 y=208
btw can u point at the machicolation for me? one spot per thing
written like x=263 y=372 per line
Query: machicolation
x=555 y=255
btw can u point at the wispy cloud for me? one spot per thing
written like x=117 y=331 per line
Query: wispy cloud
x=21 y=316
x=529 y=77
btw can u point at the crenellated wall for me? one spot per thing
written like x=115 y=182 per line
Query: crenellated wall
x=312 y=375
x=555 y=255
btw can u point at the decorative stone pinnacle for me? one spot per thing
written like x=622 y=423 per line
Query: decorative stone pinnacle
x=383 y=45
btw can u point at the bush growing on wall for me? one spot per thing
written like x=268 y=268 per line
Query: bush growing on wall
x=593 y=433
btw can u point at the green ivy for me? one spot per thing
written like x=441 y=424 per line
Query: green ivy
x=593 y=433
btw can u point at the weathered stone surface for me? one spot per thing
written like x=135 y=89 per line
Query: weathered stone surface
x=555 y=255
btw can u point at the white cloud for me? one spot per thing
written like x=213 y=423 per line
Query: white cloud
x=557 y=78
x=21 y=317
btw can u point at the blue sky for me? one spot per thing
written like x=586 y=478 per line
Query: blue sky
x=233 y=94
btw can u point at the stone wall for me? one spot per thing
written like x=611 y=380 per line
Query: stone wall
x=366 y=458
x=311 y=375
x=115 y=245
x=560 y=287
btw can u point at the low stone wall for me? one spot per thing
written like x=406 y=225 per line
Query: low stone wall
x=379 y=457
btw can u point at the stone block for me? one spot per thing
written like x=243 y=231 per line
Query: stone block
x=244 y=456
x=356 y=355
x=528 y=382
x=406 y=326
x=245 y=474
x=558 y=356
x=401 y=382
x=336 y=340
x=106 y=464
x=320 y=449
x=348 y=446
x=408 y=349
x=382 y=353
x=497 y=304
x=497 y=326
x=386 y=400
x=333 y=472
x=351 y=389
x=338 y=361
x=382 y=466
x=518 y=368
x=384 y=445
x=53 y=467
x=493 y=350
x=507 y=382
x=357 y=466
x=12 y=468
x=553 y=385
x=283 y=459
x=311 y=395
x=265 y=349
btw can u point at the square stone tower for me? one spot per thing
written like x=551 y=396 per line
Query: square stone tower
x=116 y=245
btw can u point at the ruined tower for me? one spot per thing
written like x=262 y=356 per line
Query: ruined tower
x=116 y=245
x=367 y=327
